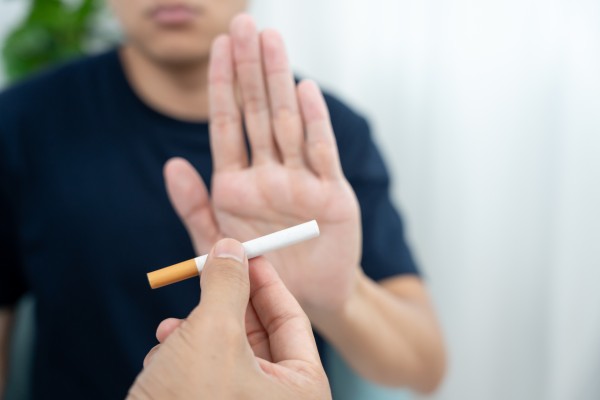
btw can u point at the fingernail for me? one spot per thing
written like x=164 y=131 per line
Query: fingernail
x=229 y=248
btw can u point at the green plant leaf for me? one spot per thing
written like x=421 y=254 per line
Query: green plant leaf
x=52 y=32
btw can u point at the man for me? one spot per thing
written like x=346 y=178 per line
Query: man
x=85 y=216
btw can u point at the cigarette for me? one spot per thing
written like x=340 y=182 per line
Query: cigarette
x=254 y=248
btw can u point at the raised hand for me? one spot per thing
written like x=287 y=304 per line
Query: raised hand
x=291 y=175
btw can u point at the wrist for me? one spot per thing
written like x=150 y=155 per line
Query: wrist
x=334 y=318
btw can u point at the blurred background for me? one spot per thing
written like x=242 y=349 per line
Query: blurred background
x=488 y=114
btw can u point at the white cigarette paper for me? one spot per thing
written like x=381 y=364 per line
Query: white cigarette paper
x=273 y=241
x=254 y=248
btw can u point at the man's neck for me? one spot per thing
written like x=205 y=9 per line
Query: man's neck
x=178 y=91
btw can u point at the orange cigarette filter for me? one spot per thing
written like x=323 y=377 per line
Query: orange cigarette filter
x=174 y=273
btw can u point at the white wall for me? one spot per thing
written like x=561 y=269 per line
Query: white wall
x=487 y=113
x=11 y=12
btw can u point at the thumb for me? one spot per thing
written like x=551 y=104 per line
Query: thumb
x=225 y=282
x=189 y=197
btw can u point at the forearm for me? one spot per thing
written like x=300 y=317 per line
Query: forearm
x=386 y=338
x=6 y=317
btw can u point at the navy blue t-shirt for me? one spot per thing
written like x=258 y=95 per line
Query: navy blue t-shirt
x=84 y=215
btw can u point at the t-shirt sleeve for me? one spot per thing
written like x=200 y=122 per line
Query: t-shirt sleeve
x=12 y=283
x=385 y=250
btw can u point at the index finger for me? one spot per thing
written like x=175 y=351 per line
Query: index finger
x=226 y=133
x=289 y=330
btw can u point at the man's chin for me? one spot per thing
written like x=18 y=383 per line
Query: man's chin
x=182 y=60
x=176 y=56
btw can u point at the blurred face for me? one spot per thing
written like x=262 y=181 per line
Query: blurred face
x=175 y=32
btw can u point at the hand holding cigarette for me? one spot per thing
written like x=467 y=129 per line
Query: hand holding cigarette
x=247 y=338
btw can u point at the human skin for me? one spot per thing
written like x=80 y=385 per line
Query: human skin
x=247 y=339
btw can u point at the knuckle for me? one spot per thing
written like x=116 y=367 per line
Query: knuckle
x=230 y=270
x=226 y=328
x=255 y=104
x=223 y=119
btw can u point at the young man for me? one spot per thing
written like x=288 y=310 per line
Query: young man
x=84 y=214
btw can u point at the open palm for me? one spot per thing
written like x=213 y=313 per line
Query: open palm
x=291 y=175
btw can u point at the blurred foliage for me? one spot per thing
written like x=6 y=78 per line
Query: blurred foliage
x=53 y=31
